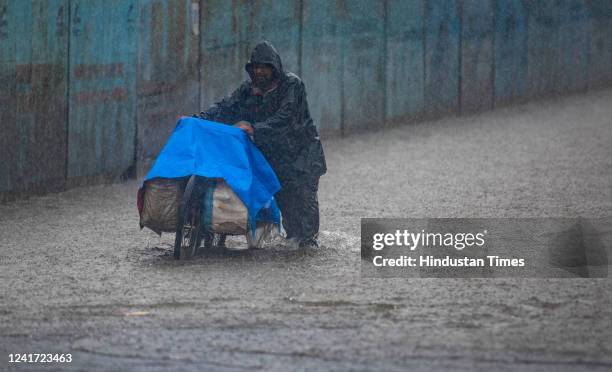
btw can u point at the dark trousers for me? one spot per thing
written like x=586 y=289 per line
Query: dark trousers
x=299 y=207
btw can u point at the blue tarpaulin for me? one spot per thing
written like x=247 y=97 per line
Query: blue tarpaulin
x=214 y=150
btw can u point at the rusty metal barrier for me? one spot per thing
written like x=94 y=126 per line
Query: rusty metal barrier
x=90 y=90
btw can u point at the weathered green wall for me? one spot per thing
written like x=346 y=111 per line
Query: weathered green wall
x=90 y=90
x=33 y=95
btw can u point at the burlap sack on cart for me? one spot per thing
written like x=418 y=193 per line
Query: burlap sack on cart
x=161 y=200
x=230 y=216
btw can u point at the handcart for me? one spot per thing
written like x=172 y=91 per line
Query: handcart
x=208 y=182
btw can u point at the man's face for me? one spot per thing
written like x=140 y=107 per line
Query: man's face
x=262 y=75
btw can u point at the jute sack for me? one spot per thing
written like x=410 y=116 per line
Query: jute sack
x=230 y=216
x=161 y=200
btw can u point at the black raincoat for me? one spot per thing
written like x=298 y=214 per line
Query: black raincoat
x=285 y=134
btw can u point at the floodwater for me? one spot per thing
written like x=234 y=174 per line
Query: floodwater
x=78 y=276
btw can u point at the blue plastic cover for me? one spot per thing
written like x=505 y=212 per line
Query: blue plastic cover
x=214 y=150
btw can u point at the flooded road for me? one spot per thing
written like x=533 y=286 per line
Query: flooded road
x=78 y=276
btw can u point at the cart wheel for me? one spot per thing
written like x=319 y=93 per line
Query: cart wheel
x=220 y=240
x=213 y=240
x=188 y=229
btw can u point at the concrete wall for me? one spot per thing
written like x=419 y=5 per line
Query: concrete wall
x=90 y=90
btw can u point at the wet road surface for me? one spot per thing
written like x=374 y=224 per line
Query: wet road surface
x=78 y=276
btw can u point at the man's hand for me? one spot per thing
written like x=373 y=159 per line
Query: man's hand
x=245 y=126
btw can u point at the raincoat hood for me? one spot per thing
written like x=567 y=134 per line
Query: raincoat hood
x=265 y=53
